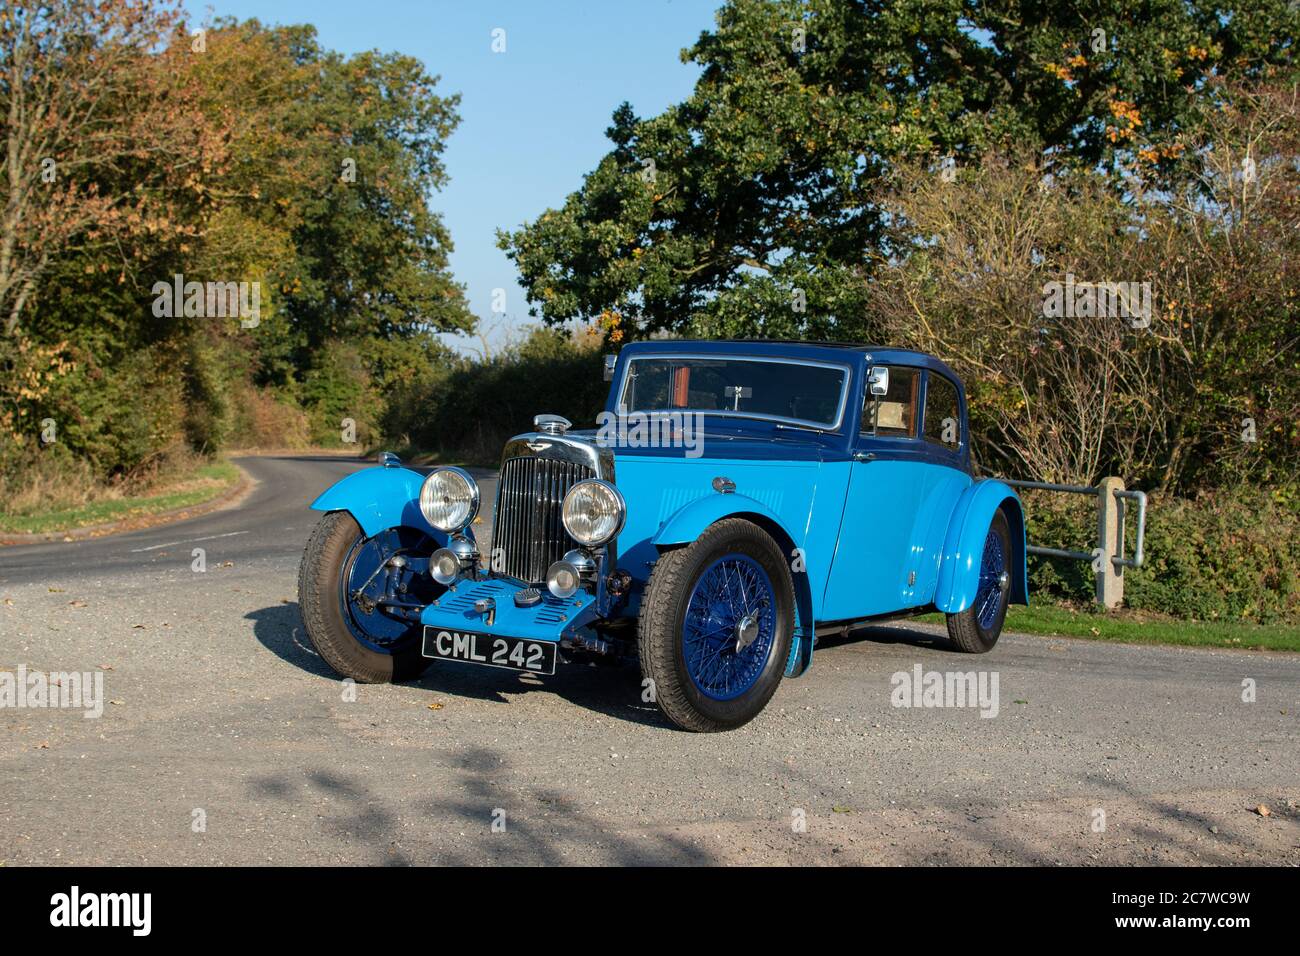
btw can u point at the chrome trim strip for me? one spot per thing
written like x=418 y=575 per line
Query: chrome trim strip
x=568 y=448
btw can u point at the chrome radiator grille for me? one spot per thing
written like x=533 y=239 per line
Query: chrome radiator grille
x=527 y=527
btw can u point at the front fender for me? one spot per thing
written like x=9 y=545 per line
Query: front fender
x=690 y=521
x=959 y=568
x=380 y=498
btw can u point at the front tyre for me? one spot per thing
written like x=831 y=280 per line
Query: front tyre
x=976 y=629
x=716 y=624
x=337 y=583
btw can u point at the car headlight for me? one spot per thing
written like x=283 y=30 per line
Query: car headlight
x=449 y=499
x=593 y=512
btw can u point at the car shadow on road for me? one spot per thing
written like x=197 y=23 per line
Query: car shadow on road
x=612 y=690
x=888 y=633
x=279 y=629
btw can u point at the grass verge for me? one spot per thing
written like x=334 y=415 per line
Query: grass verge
x=1138 y=627
x=194 y=488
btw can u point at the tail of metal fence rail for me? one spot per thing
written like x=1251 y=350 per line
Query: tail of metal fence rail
x=1108 y=558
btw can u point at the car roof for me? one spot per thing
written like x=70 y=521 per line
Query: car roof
x=793 y=348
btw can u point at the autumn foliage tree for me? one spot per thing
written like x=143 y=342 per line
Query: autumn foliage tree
x=138 y=146
x=1202 y=390
x=104 y=135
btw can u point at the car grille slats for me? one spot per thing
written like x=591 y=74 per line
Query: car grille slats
x=528 y=527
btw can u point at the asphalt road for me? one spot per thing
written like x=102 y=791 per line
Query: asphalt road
x=226 y=740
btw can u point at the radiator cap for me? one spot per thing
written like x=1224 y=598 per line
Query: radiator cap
x=552 y=424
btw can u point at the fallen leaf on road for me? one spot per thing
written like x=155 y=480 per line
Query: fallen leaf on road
x=117 y=702
x=105 y=667
x=138 y=627
x=56 y=590
x=76 y=603
x=1263 y=811
x=841 y=809
x=43 y=745
x=435 y=706
x=9 y=602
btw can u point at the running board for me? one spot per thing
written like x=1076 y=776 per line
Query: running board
x=846 y=627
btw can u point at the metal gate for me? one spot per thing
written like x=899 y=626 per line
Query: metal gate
x=1107 y=558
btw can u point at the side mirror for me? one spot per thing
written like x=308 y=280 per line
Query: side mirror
x=610 y=362
x=878 y=380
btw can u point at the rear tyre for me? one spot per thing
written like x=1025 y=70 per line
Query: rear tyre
x=976 y=629
x=716 y=624
x=365 y=645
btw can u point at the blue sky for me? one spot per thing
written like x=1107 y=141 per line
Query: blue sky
x=532 y=118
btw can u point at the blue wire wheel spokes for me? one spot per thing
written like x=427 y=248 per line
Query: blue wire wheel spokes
x=729 y=627
x=367 y=578
x=993 y=566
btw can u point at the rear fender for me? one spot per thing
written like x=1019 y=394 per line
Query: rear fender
x=963 y=548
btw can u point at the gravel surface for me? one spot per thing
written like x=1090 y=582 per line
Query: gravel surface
x=225 y=740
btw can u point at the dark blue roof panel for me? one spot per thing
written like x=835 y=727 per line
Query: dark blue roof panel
x=788 y=348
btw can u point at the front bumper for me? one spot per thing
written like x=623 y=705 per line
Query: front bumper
x=550 y=619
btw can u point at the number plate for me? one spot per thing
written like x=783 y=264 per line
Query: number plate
x=512 y=653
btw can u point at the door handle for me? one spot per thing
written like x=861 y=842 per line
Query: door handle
x=864 y=456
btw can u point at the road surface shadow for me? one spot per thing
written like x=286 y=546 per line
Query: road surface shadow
x=612 y=690
x=483 y=817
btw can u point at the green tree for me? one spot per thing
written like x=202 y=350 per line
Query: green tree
x=752 y=207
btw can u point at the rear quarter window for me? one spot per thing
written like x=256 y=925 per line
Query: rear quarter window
x=942 y=415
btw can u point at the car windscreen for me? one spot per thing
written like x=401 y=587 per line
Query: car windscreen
x=807 y=393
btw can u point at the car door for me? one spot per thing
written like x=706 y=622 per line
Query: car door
x=942 y=477
x=887 y=482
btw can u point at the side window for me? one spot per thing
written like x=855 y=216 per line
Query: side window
x=894 y=415
x=942 y=417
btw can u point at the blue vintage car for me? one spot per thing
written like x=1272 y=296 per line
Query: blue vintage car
x=736 y=500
